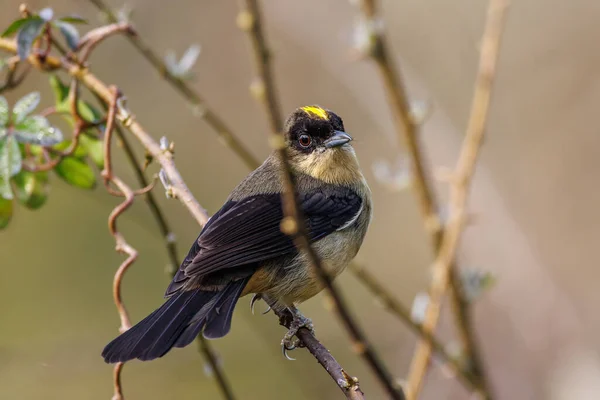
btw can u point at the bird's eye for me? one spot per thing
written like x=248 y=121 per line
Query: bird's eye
x=304 y=140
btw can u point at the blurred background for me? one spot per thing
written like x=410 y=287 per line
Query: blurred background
x=536 y=197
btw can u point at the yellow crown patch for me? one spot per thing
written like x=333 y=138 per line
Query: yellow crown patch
x=315 y=111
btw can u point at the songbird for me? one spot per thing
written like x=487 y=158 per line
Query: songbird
x=242 y=249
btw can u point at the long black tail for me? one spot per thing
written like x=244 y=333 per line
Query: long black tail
x=176 y=323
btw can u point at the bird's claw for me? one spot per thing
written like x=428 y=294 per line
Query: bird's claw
x=285 y=349
x=255 y=298
x=290 y=341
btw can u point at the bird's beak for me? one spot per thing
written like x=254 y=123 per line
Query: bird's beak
x=339 y=138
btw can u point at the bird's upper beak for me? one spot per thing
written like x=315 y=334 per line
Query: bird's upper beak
x=338 y=138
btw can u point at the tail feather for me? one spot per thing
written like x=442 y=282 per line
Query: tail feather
x=176 y=323
x=218 y=323
x=162 y=337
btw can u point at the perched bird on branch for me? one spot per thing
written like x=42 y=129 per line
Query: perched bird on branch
x=243 y=250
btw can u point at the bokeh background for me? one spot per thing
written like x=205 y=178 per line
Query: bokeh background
x=536 y=197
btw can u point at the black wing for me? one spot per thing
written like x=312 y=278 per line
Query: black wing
x=248 y=231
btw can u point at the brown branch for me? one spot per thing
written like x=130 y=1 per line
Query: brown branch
x=213 y=120
x=249 y=20
x=349 y=385
x=122 y=245
x=117 y=388
x=94 y=37
x=409 y=130
x=459 y=189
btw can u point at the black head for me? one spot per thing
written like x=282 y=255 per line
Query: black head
x=312 y=128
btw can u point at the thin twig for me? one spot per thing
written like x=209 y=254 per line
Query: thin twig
x=249 y=20
x=198 y=104
x=409 y=131
x=117 y=387
x=94 y=37
x=122 y=245
x=459 y=187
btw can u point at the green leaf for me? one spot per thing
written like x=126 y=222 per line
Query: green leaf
x=61 y=91
x=46 y=14
x=76 y=173
x=3 y=132
x=15 y=26
x=73 y=19
x=29 y=31
x=80 y=151
x=6 y=210
x=25 y=106
x=10 y=158
x=37 y=130
x=69 y=32
x=95 y=149
x=31 y=189
x=87 y=112
x=4 y=111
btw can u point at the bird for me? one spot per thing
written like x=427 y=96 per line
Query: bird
x=242 y=249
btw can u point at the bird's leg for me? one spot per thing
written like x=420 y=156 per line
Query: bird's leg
x=290 y=340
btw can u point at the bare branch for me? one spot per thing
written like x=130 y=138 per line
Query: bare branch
x=117 y=388
x=459 y=189
x=409 y=130
x=249 y=20
x=122 y=245
x=349 y=385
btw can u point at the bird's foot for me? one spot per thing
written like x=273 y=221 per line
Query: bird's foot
x=290 y=340
x=255 y=298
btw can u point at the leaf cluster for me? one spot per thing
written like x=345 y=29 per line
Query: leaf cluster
x=29 y=142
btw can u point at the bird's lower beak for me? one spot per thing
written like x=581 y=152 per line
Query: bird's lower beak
x=339 y=138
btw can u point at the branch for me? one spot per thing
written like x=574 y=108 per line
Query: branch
x=193 y=98
x=409 y=130
x=348 y=384
x=442 y=267
x=122 y=245
x=94 y=37
x=250 y=20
